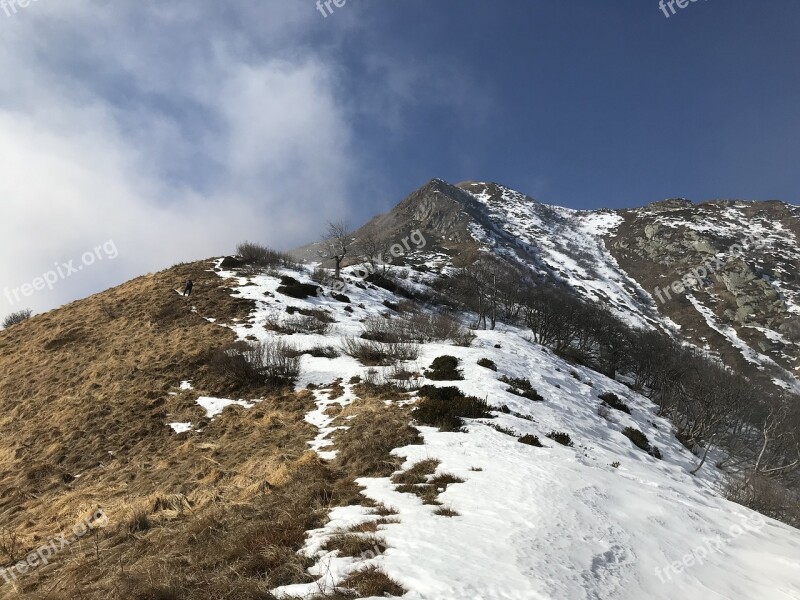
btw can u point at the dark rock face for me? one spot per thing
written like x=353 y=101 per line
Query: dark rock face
x=738 y=259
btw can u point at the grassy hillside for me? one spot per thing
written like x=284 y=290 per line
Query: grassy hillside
x=86 y=395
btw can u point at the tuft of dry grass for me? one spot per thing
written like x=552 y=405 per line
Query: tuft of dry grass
x=373 y=582
x=351 y=544
x=420 y=481
x=384 y=511
x=444 y=511
x=418 y=473
x=442 y=480
x=425 y=492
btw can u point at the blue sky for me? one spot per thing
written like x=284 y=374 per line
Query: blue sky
x=177 y=129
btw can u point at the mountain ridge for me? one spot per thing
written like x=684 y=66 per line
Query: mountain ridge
x=554 y=242
x=279 y=435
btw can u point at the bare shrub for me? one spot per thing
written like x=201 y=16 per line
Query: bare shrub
x=371 y=353
x=403 y=378
x=418 y=327
x=17 y=317
x=764 y=495
x=10 y=544
x=320 y=275
x=318 y=313
x=382 y=329
x=321 y=352
x=445 y=511
x=274 y=364
x=435 y=327
x=465 y=338
x=257 y=255
x=297 y=323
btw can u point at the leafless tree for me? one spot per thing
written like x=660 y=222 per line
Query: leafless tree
x=374 y=248
x=337 y=241
x=779 y=452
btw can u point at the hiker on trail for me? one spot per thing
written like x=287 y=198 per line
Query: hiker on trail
x=188 y=290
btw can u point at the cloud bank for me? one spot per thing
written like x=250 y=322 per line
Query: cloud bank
x=175 y=130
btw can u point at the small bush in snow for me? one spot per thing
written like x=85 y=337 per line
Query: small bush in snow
x=387 y=330
x=531 y=440
x=320 y=352
x=615 y=402
x=640 y=440
x=487 y=363
x=433 y=392
x=320 y=275
x=561 y=438
x=465 y=339
x=521 y=387
x=372 y=582
x=17 y=317
x=444 y=511
x=371 y=353
x=444 y=368
x=448 y=414
x=415 y=326
x=436 y=327
x=296 y=323
x=505 y=430
x=294 y=289
x=765 y=495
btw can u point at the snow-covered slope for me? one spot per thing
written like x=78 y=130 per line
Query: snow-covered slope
x=751 y=287
x=598 y=520
x=565 y=243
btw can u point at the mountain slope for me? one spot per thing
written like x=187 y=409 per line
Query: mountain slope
x=744 y=310
x=376 y=470
x=554 y=522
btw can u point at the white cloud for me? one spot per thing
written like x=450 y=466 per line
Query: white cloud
x=174 y=130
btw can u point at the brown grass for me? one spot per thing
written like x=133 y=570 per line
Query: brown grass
x=418 y=473
x=364 y=448
x=383 y=510
x=444 y=511
x=373 y=582
x=350 y=544
x=420 y=481
x=86 y=393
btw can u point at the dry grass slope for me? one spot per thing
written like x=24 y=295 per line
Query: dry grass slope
x=86 y=393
